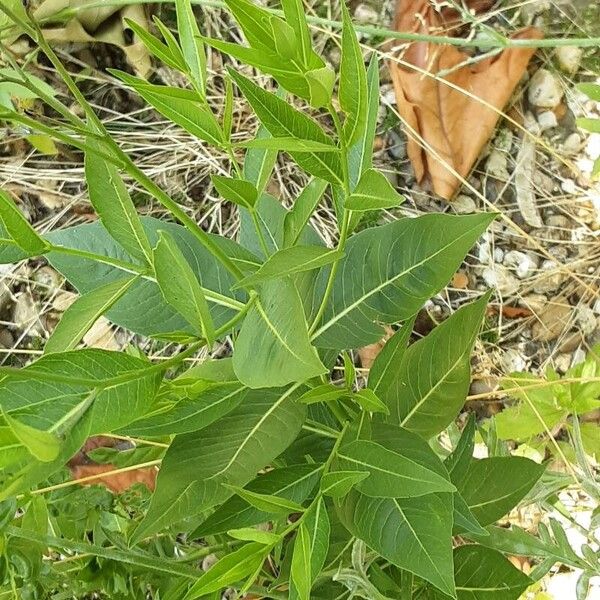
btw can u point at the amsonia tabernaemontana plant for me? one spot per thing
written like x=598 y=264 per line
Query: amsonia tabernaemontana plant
x=360 y=498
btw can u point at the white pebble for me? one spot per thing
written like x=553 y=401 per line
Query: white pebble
x=547 y=120
x=366 y=15
x=572 y=144
x=464 y=204
x=569 y=58
x=545 y=90
x=523 y=263
x=586 y=319
x=500 y=278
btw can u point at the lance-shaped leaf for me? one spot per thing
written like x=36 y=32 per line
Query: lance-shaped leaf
x=267 y=503
x=259 y=162
x=42 y=445
x=83 y=313
x=19 y=229
x=353 y=92
x=191 y=44
x=293 y=483
x=360 y=154
x=388 y=273
x=464 y=519
x=251 y=534
x=240 y=192
x=178 y=105
x=414 y=534
x=484 y=574
x=295 y=15
x=231 y=450
x=288 y=144
x=392 y=475
x=114 y=206
x=296 y=219
x=458 y=462
x=435 y=374
x=491 y=487
x=273 y=347
x=288 y=261
x=180 y=286
x=143 y=308
x=310 y=551
x=373 y=192
x=232 y=568
x=338 y=483
x=283 y=120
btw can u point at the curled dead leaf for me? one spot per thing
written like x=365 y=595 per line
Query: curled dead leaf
x=449 y=103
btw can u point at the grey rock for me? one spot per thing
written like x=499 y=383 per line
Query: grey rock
x=545 y=90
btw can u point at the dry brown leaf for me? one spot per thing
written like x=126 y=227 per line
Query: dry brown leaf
x=81 y=466
x=511 y=312
x=369 y=353
x=454 y=126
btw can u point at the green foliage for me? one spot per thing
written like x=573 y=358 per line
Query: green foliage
x=268 y=459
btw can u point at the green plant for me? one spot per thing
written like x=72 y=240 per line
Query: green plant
x=360 y=499
x=592 y=91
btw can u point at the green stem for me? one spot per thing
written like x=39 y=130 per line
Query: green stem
x=369 y=30
x=406 y=582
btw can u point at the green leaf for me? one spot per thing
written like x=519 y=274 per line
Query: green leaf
x=493 y=486
x=288 y=261
x=592 y=125
x=288 y=144
x=304 y=206
x=373 y=192
x=414 y=534
x=388 y=273
x=192 y=413
x=284 y=38
x=172 y=44
x=249 y=534
x=310 y=551
x=591 y=90
x=536 y=411
x=228 y=109
x=295 y=15
x=266 y=503
x=191 y=44
x=293 y=483
x=360 y=154
x=19 y=229
x=112 y=202
x=179 y=106
x=320 y=83
x=255 y=22
x=273 y=346
x=83 y=313
x=383 y=377
x=42 y=445
x=353 y=93
x=393 y=475
x=338 y=483
x=464 y=519
x=435 y=374
x=163 y=52
x=326 y=392
x=368 y=400
x=180 y=286
x=231 y=450
x=230 y=569
x=484 y=574
x=240 y=192
x=457 y=463
x=259 y=162
x=282 y=120
x=143 y=309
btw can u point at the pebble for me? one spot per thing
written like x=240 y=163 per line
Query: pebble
x=209 y=561
x=464 y=204
x=366 y=15
x=460 y=280
x=535 y=302
x=586 y=319
x=550 y=278
x=568 y=186
x=512 y=360
x=499 y=277
x=6 y=338
x=48 y=279
x=101 y=335
x=562 y=363
x=397 y=146
x=5 y=295
x=497 y=165
x=547 y=120
x=26 y=313
x=592 y=147
x=545 y=90
x=523 y=263
x=572 y=144
x=552 y=321
x=569 y=58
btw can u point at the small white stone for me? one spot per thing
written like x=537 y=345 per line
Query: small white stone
x=26 y=313
x=500 y=278
x=498 y=255
x=366 y=15
x=547 y=120
x=550 y=278
x=523 y=263
x=513 y=360
x=596 y=308
x=586 y=319
x=592 y=146
x=464 y=204
x=562 y=363
x=572 y=144
x=545 y=90
x=569 y=58
x=568 y=186
x=497 y=165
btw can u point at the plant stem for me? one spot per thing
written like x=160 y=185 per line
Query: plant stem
x=406 y=582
